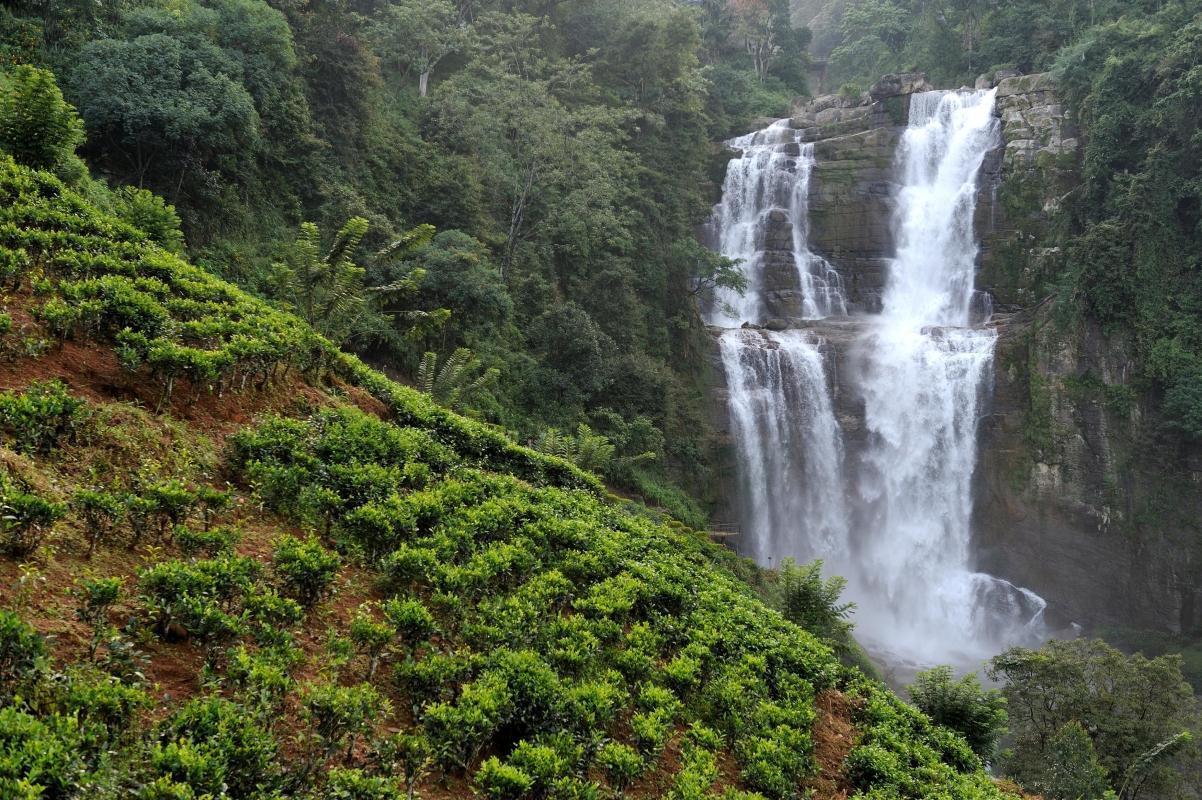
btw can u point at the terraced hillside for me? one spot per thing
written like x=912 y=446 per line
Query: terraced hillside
x=241 y=564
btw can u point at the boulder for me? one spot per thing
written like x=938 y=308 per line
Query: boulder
x=894 y=85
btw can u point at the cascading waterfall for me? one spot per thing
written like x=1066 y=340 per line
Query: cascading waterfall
x=765 y=191
x=924 y=372
x=788 y=438
x=897 y=520
x=789 y=444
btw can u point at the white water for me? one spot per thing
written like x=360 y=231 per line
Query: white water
x=924 y=374
x=897 y=521
x=772 y=175
x=789 y=442
x=790 y=445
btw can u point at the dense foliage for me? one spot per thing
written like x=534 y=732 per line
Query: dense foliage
x=562 y=151
x=1085 y=717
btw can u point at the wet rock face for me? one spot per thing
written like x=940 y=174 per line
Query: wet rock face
x=1081 y=492
x=853 y=185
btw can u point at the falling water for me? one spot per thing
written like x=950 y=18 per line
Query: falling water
x=765 y=194
x=924 y=373
x=789 y=443
x=896 y=519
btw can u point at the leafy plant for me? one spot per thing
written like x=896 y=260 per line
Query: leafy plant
x=96 y=596
x=337 y=716
x=37 y=126
x=41 y=416
x=22 y=653
x=100 y=511
x=457 y=381
x=977 y=714
x=25 y=518
x=371 y=637
x=304 y=569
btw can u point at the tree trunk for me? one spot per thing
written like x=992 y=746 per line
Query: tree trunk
x=423 y=83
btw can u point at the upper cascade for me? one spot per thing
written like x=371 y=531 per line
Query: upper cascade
x=762 y=222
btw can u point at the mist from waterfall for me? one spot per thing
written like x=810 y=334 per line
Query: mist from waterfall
x=895 y=518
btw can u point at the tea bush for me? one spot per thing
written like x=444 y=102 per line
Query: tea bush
x=41 y=417
x=304 y=570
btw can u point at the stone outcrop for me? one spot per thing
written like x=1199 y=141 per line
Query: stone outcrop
x=853 y=184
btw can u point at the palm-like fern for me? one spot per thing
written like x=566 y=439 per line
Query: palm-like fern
x=329 y=292
x=588 y=450
x=456 y=381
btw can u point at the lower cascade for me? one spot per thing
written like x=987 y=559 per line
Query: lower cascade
x=895 y=517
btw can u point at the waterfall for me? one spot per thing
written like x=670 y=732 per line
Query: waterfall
x=895 y=518
x=789 y=443
x=788 y=440
x=924 y=372
x=762 y=221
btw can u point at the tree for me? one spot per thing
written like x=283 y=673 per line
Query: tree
x=813 y=603
x=453 y=273
x=418 y=34
x=1132 y=708
x=328 y=290
x=767 y=34
x=167 y=100
x=37 y=126
x=978 y=714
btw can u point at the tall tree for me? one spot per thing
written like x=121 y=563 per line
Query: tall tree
x=417 y=34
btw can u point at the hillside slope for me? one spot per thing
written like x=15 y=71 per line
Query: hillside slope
x=326 y=586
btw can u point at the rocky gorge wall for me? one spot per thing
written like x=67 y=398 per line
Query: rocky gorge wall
x=1081 y=495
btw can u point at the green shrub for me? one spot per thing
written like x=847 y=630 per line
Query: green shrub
x=457 y=731
x=37 y=126
x=355 y=784
x=337 y=715
x=622 y=765
x=407 y=756
x=22 y=653
x=25 y=518
x=411 y=620
x=371 y=637
x=149 y=213
x=263 y=677
x=226 y=736
x=96 y=597
x=212 y=502
x=697 y=774
x=190 y=764
x=304 y=570
x=42 y=416
x=39 y=758
x=977 y=714
x=170 y=503
x=211 y=542
x=100 y=512
x=499 y=781
x=650 y=730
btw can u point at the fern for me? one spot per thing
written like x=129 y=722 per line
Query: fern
x=457 y=381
